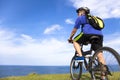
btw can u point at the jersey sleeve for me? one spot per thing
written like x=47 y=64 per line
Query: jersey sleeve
x=77 y=23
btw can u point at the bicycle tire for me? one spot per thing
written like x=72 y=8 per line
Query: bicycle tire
x=112 y=59
x=74 y=65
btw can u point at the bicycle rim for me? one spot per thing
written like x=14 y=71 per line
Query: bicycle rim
x=75 y=70
x=112 y=60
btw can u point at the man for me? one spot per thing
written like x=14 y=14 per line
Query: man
x=86 y=32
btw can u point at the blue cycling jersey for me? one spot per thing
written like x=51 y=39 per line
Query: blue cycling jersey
x=87 y=29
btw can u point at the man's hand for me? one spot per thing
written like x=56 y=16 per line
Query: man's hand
x=70 y=40
x=71 y=35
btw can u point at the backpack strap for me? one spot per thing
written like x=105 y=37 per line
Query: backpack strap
x=82 y=27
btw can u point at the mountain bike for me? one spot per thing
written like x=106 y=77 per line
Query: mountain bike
x=111 y=70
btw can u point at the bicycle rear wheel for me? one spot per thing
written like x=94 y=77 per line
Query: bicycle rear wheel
x=111 y=71
x=75 y=69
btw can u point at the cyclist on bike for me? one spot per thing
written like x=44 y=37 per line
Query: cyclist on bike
x=86 y=32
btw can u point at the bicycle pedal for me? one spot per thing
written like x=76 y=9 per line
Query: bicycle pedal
x=87 y=56
x=79 y=61
x=108 y=73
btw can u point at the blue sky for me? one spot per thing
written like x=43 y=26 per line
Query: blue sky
x=35 y=32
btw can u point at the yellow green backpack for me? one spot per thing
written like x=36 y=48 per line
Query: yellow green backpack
x=95 y=21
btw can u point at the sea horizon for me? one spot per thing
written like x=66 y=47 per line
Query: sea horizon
x=22 y=70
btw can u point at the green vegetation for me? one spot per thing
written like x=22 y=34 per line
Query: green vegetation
x=34 y=76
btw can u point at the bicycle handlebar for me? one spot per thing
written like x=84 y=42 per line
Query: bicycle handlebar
x=70 y=41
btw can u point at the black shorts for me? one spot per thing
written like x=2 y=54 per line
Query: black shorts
x=84 y=38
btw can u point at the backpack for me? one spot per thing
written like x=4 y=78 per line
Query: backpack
x=95 y=22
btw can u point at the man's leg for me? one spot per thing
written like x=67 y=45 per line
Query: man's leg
x=76 y=41
x=77 y=48
x=98 y=45
x=101 y=58
x=79 y=57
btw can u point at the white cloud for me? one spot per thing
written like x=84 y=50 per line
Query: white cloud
x=52 y=29
x=25 y=50
x=7 y=34
x=69 y=21
x=113 y=41
x=26 y=37
x=104 y=8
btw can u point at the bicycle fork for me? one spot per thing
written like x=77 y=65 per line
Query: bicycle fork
x=88 y=66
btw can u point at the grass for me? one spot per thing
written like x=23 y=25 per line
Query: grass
x=34 y=76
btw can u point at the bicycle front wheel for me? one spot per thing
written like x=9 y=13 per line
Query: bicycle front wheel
x=111 y=68
x=75 y=69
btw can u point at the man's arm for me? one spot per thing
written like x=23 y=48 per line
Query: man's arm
x=72 y=34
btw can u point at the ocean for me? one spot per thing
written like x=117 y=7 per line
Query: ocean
x=7 y=70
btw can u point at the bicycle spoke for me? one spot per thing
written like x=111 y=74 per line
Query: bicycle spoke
x=75 y=70
x=112 y=68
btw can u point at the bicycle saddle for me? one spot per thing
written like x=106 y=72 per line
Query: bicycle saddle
x=94 y=39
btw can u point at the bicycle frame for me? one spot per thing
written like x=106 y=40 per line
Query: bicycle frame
x=87 y=55
x=87 y=63
x=92 y=64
